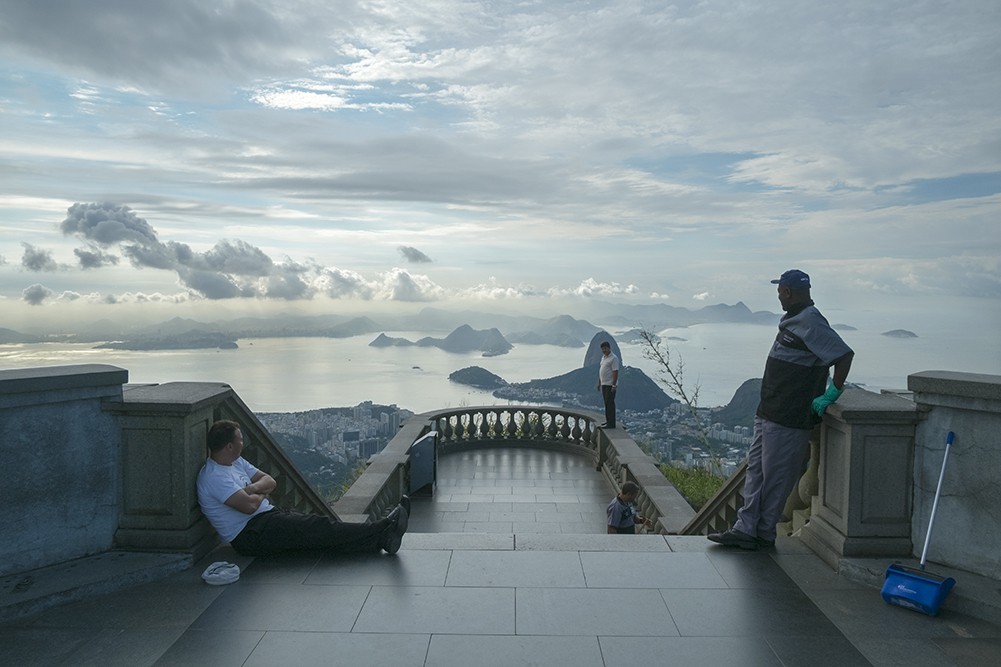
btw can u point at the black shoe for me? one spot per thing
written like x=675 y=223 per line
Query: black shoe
x=398 y=520
x=734 y=538
x=764 y=544
x=391 y=541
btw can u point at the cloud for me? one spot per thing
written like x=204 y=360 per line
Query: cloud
x=184 y=45
x=36 y=294
x=210 y=284
x=238 y=258
x=230 y=269
x=107 y=224
x=394 y=285
x=493 y=290
x=342 y=284
x=400 y=285
x=413 y=255
x=701 y=296
x=158 y=256
x=37 y=259
x=288 y=281
x=94 y=258
x=590 y=287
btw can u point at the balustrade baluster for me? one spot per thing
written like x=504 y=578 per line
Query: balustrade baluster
x=512 y=425
x=565 y=427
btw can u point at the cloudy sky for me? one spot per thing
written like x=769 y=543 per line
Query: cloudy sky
x=276 y=154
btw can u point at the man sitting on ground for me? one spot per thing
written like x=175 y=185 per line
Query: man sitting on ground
x=233 y=495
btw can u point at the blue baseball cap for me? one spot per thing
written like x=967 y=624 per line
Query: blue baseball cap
x=794 y=279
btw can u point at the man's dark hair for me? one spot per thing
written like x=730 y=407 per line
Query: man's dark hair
x=605 y=344
x=221 y=434
x=630 y=488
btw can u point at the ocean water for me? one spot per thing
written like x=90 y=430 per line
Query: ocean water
x=294 y=374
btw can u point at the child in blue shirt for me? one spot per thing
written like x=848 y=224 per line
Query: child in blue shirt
x=622 y=514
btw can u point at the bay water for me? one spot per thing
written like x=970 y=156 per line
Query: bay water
x=296 y=374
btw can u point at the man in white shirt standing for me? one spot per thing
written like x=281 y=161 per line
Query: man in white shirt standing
x=608 y=380
x=233 y=495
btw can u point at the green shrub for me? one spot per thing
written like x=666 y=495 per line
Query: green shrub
x=696 y=485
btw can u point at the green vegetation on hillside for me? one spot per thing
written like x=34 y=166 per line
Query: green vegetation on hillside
x=696 y=485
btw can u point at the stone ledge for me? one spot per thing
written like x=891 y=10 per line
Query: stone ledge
x=966 y=385
x=30 y=592
x=52 y=378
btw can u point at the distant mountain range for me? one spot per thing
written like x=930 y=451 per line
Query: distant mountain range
x=563 y=330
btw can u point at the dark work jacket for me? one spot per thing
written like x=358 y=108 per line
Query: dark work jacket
x=797 y=367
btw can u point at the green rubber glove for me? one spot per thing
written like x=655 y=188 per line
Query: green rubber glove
x=822 y=402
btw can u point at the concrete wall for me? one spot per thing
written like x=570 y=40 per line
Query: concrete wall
x=60 y=456
x=966 y=533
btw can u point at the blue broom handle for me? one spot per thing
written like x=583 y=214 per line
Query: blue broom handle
x=934 y=505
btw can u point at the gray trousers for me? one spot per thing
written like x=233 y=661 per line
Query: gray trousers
x=776 y=460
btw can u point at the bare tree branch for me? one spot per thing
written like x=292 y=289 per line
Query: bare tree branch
x=672 y=375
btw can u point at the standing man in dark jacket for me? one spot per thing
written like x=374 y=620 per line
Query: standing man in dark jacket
x=794 y=394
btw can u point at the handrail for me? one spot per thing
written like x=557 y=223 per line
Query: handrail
x=260 y=449
x=720 y=512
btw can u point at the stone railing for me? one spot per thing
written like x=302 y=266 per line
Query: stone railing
x=493 y=426
x=862 y=415
x=720 y=511
x=260 y=448
x=612 y=452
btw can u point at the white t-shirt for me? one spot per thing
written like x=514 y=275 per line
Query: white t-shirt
x=216 y=483
x=609 y=363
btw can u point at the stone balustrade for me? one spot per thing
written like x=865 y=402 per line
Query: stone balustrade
x=612 y=451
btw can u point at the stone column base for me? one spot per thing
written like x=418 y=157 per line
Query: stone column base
x=831 y=545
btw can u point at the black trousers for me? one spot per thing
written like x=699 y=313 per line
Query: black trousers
x=280 y=530
x=608 y=395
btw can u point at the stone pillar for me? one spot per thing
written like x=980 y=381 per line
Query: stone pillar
x=965 y=534
x=164 y=429
x=863 y=506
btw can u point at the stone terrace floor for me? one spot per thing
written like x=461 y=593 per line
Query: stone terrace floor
x=505 y=566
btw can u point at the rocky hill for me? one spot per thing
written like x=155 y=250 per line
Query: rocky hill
x=593 y=355
x=474 y=376
x=578 y=388
x=741 y=408
x=899 y=333
x=464 y=339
